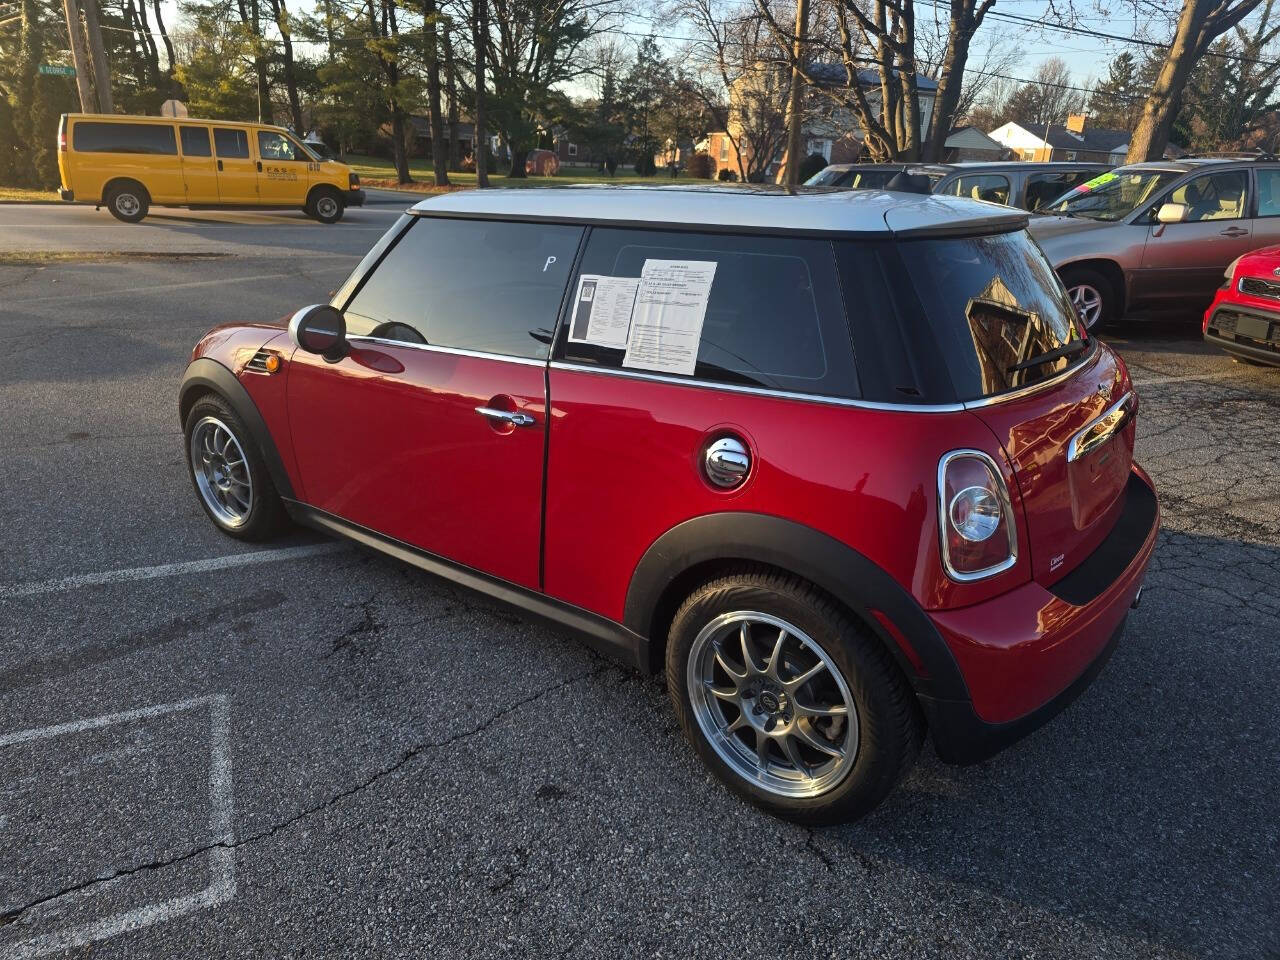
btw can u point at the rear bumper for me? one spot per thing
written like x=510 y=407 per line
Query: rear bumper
x=1027 y=654
x=355 y=198
x=68 y=195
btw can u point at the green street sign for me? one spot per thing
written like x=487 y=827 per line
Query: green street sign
x=57 y=71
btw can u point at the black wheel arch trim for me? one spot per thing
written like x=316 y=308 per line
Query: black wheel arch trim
x=835 y=567
x=208 y=375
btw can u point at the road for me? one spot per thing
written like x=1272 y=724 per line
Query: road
x=208 y=749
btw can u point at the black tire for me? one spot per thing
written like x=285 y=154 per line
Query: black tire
x=265 y=517
x=128 y=201
x=890 y=728
x=326 y=205
x=1080 y=280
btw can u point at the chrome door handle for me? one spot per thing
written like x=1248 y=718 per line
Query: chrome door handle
x=506 y=416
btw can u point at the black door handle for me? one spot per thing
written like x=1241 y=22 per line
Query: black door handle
x=219 y=164
x=259 y=166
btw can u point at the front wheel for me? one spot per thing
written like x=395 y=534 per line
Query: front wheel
x=791 y=703
x=228 y=473
x=326 y=206
x=1092 y=296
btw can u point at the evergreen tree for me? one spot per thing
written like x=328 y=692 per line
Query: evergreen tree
x=1116 y=102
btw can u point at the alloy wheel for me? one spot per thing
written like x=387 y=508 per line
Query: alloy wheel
x=221 y=472
x=1088 y=303
x=772 y=704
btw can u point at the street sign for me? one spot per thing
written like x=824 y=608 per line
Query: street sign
x=57 y=71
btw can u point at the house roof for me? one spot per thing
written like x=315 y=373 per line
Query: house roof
x=733 y=209
x=834 y=74
x=1094 y=139
x=960 y=134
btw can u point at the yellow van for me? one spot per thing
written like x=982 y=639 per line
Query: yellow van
x=129 y=163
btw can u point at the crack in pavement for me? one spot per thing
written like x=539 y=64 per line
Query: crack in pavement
x=407 y=756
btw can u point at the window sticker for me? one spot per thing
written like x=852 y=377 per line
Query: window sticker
x=1099 y=181
x=670 y=307
x=602 y=310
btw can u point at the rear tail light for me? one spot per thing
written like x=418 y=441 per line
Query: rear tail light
x=977 y=532
x=62 y=134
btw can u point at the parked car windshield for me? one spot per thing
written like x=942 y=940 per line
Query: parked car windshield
x=996 y=311
x=1112 y=195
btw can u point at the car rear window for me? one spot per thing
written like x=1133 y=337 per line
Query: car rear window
x=92 y=136
x=990 y=305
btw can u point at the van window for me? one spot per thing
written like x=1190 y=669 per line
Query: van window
x=987 y=187
x=469 y=284
x=231 y=144
x=773 y=316
x=1044 y=188
x=275 y=146
x=195 y=142
x=91 y=136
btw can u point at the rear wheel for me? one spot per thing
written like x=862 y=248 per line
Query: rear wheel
x=128 y=202
x=326 y=205
x=788 y=701
x=228 y=473
x=1092 y=295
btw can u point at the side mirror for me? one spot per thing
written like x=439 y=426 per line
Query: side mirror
x=1171 y=213
x=320 y=329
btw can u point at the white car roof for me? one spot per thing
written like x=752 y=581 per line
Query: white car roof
x=734 y=209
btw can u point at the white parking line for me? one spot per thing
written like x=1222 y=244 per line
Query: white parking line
x=222 y=870
x=1190 y=377
x=131 y=574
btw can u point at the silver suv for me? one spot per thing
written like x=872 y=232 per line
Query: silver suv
x=1155 y=237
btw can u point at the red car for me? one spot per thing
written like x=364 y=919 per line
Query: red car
x=1244 y=318
x=844 y=465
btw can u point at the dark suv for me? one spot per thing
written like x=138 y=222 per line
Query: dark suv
x=1026 y=185
x=842 y=464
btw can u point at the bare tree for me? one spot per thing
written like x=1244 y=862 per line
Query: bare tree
x=965 y=18
x=741 y=79
x=1200 y=22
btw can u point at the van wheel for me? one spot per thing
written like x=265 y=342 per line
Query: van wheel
x=1092 y=296
x=229 y=475
x=791 y=703
x=326 y=205
x=128 y=202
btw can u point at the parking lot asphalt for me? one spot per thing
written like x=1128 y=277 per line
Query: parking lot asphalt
x=211 y=749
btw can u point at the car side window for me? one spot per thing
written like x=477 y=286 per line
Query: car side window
x=1214 y=196
x=989 y=187
x=195 y=142
x=231 y=144
x=1268 y=179
x=275 y=146
x=1044 y=188
x=773 y=316
x=92 y=136
x=483 y=285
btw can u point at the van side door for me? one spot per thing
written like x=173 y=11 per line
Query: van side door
x=283 y=169
x=237 y=174
x=432 y=430
x=199 y=169
x=145 y=152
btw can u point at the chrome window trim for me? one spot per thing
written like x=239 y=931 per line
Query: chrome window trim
x=819 y=398
x=455 y=351
x=756 y=391
x=1101 y=429
x=1006 y=505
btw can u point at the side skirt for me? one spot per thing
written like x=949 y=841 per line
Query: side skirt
x=602 y=634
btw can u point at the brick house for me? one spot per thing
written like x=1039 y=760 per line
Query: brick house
x=1075 y=140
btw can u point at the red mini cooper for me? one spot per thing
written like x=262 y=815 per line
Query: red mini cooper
x=1244 y=318
x=844 y=465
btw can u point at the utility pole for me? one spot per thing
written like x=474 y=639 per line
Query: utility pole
x=79 y=59
x=101 y=72
x=795 y=102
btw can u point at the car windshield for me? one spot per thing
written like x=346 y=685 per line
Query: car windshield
x=1112 y=195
